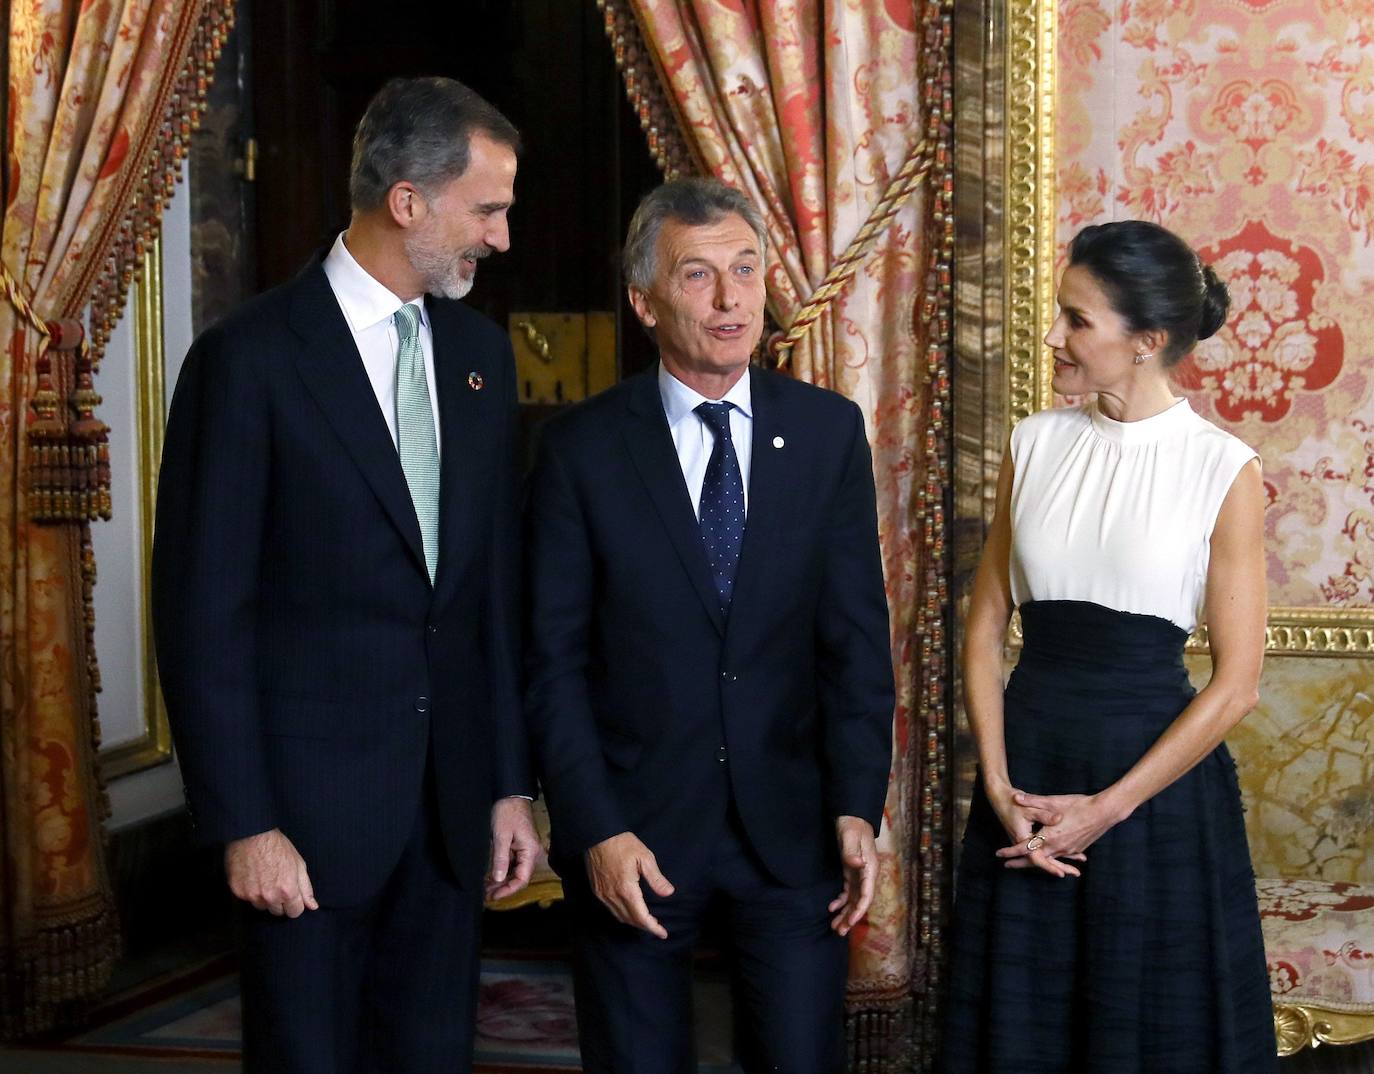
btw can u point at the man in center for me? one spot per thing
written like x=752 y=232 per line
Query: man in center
x=710 y=683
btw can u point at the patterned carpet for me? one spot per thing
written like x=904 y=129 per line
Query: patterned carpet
x=190 y=1022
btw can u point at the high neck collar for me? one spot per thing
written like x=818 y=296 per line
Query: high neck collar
x=1144 y=431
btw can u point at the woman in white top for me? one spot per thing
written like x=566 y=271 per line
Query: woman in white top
x=1105 y=915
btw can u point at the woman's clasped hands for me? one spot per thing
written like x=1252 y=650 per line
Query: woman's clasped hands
x=1077 y=822
x=1050 y=831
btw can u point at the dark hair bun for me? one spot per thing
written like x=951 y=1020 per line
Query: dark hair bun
x=1153 y=279
x=1216 y=300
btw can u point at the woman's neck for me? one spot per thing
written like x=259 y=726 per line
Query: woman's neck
x=1138 y=402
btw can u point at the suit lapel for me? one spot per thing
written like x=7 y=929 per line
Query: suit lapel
x=768 y=478
x=651 y=447
x=459 y=427
x=333 y=373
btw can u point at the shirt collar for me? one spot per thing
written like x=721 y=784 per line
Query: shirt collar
x=680 y=400
x=364 y=301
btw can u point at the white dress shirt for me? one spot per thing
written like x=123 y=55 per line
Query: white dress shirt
x=368 y=307
x=694 y=439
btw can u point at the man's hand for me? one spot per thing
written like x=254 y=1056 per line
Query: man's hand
x=515 y=847
x=859 y=856
x=614 y=867
x=266 y=871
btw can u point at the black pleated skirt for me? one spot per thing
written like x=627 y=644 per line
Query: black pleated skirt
x=1152 y=962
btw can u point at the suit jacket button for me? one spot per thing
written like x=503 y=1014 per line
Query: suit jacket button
x=422 y=704
x=720 y=755
x=434 y=628
x=729 y=676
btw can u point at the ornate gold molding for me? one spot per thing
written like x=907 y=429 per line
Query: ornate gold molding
x=1029 y=219
x=1030 y=246
x=154 y=745
x=1312 y=632
x=1298 y=1026
x=1291 y=632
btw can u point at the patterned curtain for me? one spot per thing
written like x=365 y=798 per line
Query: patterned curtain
x=836 y=118
x=99 y=100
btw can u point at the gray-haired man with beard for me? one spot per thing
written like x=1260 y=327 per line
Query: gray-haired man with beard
x=334 y=590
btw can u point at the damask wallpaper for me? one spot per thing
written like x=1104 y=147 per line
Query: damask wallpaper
x=1247 y=126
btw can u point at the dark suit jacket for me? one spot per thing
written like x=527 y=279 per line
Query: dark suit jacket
x=309 y=667
x=636 y=678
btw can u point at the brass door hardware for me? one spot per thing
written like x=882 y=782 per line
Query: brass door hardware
x=246 y=166
x=563 y=357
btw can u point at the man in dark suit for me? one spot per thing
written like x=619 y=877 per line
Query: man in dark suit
x=335 y=601
x=710 y=686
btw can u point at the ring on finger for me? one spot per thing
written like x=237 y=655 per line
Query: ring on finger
x=1035 y=842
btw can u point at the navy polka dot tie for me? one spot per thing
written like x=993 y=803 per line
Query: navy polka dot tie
x=722 y=502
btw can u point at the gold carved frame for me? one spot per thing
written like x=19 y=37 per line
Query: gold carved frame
x=1300 y=1026
x=154 y=745
x=1029 y=288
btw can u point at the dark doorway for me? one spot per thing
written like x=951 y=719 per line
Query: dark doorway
x=547 y=65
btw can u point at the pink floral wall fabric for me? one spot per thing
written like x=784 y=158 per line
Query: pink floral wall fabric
x=1247 y=126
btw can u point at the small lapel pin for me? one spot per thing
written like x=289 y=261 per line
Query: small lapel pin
x=778 y=441
x=475 y=381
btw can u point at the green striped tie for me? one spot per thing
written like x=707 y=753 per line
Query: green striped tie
x=415 y=432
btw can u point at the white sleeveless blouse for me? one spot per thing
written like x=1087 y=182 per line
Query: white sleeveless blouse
x=1119 y=513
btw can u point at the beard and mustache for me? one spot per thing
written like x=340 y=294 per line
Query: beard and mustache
x=442 y=270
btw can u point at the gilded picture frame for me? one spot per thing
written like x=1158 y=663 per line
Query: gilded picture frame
x=153 y=746
x=1029 y=287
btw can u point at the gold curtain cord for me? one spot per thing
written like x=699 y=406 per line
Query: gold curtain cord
x=20 y=303
x=918 y=164
x=63 y=334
